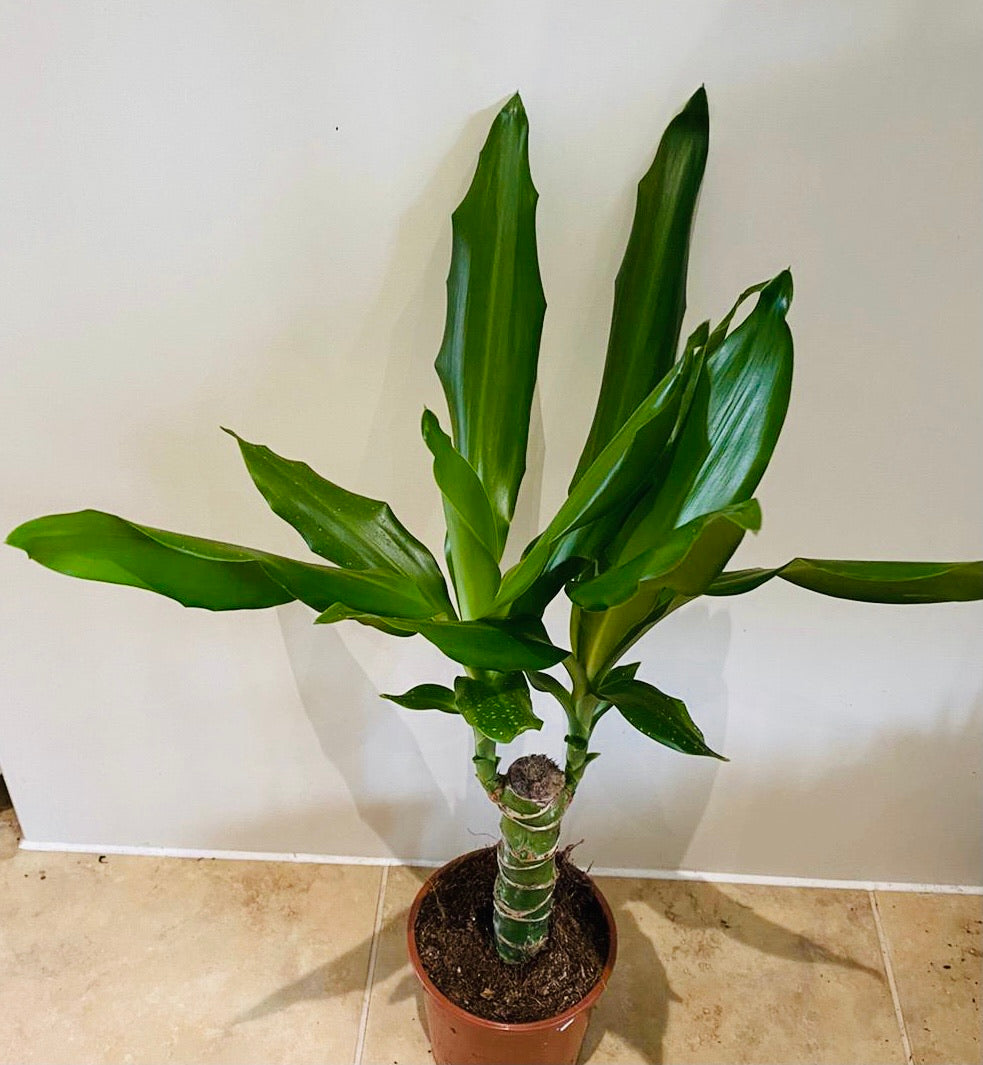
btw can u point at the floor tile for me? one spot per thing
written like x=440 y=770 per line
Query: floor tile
x=116 y=960
x=396 y=1031
x=741 y=974
x=935 y=944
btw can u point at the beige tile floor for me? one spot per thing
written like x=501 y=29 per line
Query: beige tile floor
x=148 y=960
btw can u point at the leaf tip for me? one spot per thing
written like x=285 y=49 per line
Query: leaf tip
x=14 y=539
x=753 y=516
x=429 y=422
x=697 y=105
x=780 y=291
x=513 y=107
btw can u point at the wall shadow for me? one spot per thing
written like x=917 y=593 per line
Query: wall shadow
x=667 y=793
x=368 y=740
x=410 y=328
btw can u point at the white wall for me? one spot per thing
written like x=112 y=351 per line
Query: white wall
x=225 y=213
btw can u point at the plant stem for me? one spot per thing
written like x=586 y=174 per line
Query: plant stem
x=486 y=763
x=581 y=719
x=532 y=800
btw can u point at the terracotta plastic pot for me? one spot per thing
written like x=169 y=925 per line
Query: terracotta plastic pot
x=460 y=1038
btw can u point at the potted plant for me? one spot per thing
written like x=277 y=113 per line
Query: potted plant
x=660 y=500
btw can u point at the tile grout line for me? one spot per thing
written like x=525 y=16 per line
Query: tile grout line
x=889 y=972
x=363 y=1021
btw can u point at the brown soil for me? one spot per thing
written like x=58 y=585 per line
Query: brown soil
x=454 y=939
x=536 y=777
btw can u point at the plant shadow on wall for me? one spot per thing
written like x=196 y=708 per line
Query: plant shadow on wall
x=668 y=796
x=886 y=809
x=371 y=743
x=405 y=321
x=373 y=747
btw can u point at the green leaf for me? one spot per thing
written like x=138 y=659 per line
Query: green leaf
x=731 y=427
x=203 y=573
x=101 y=547
x=474 y=543
x=340 y=612
x=600 y=638
x=622 y=674
x=659 y=716
x=495 y=307
x=351 y=530
x=867 y=582
x=505 y=646
x=545 y=588
x=650 y=291
x=461 y=488
x=499 y=709
x=685 y=561
x=623 y=603
x=720 y=331
x=622 y=470
x=543 y=682
x=426 y=697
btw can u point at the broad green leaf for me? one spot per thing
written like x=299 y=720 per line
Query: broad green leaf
x=204 y=573
x=340 y=612
x=731 y=428
x=474 y=543
x=351 y=530
x=543 y=682
x=504 y=646
x=650 y=291
x=867 y=582
x=499 y=709
x=722 y=328
x=622 y=674
x=685 y=561
x=659 y=716
x=461 y=488
x=426 y=697
x=600 y=638
x=101 y=547
x=546 y=587
x=495 y=307
x=619 y=473
x=622 y=604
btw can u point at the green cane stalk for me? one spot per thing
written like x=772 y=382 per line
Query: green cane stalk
x=526 y=852
x=532 y=818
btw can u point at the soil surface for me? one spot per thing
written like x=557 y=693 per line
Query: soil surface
x=456 y=946
x=536 y=777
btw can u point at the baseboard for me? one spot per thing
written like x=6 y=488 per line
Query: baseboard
x=646 y=874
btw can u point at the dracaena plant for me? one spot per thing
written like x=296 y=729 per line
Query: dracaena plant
x=660 y=500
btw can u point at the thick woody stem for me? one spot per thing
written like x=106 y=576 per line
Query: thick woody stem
x=533 y=799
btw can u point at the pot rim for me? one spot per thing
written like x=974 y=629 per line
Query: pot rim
x=505 y=1026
